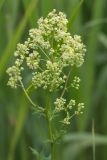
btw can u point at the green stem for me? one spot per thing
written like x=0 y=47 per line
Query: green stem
x=52 y=151
x=65 y=87
x=52 y=142
x=44 y=52
x=48 y=119
x=30 y=100
x=40 y=109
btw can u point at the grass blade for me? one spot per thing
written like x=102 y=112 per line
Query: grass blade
x=12 y=44
x=23 y=111
x=74 y=13
x=90 y=64
x=1 y=3
x=78 y=142
x=93 y=139
x=34 y=14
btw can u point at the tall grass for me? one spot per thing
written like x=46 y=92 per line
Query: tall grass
x=19 y=129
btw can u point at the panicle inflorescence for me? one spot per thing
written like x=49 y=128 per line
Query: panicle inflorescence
x=70 y=109
x=48 y=52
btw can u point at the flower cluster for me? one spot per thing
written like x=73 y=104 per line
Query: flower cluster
x=52 y=46
x=75 y=83
x=60 y=104
x=15 y=71
x=80 y=108
x=70 y=109
x=49 y=53
x=50 y=78
x=33 y=60
x=15 y=75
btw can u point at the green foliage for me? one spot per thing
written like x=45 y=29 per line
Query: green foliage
x=40 y=156
x=74 y=13
x=78 y=142
x=19 y=128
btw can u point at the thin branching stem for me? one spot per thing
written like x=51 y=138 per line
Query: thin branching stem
x=43 y=52
x=29 y=87
x=65 y=87
x=28 y=97
x=38 y=108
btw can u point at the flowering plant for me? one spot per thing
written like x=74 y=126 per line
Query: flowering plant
x=49 y=54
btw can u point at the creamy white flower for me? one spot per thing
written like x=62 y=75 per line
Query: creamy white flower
x=60 y=104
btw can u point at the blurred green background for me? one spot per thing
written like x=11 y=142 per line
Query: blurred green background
x=19 y=127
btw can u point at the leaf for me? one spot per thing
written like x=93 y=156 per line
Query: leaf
x=12 y=44
x=48 y=158
x=77 y=142
x=35 y=152
x=74 y=13
x=85 y=137
x=89 y=68
x=42 y=157
x=1 y=3
x=94 y=23
x=103 y=39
